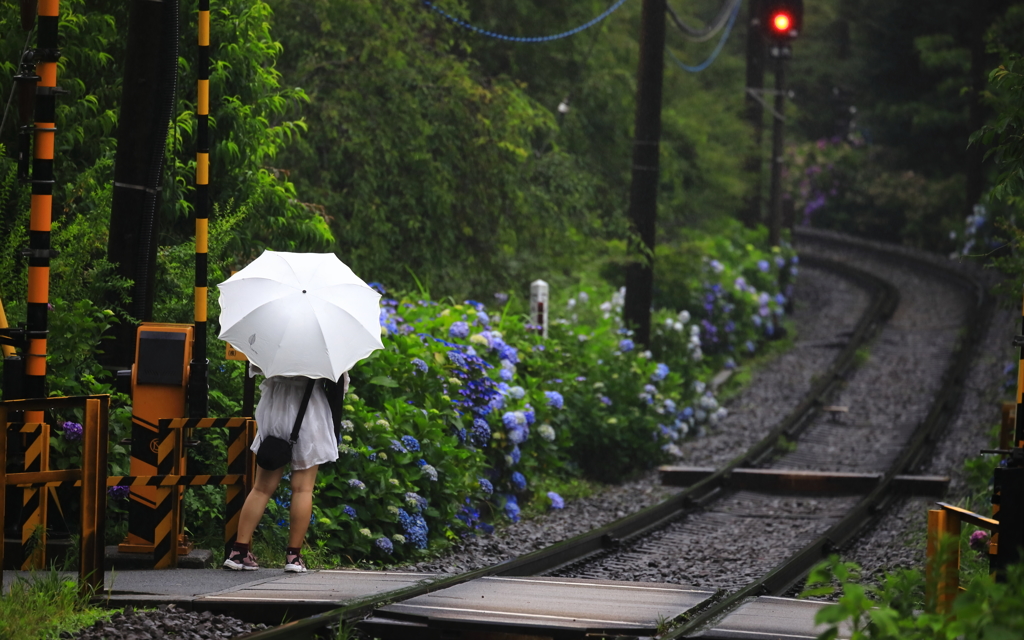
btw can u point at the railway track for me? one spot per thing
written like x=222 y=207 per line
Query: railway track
x=802 y=530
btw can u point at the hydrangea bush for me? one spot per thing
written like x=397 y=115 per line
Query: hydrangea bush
x=458 y=421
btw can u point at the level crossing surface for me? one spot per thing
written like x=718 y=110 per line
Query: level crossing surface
x=536 y=607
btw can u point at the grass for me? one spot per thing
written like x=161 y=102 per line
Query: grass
x=45 y=606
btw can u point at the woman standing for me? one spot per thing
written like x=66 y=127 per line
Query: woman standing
x=317 y=444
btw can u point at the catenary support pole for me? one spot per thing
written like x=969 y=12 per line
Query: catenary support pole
x=643 y=193
x=754 y=111
x=775 y=199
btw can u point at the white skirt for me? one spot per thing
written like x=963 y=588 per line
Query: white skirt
x=275 y=416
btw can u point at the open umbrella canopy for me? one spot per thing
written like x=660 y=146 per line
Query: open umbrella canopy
x=300 y=314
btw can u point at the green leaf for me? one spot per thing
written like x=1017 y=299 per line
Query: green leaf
x=383 y=381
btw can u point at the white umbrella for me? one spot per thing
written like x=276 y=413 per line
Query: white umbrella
x=300 y=314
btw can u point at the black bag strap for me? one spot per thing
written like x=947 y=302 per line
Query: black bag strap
x=302 y=410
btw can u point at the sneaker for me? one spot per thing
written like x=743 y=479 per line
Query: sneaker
x=236 y=561
x=296 y=565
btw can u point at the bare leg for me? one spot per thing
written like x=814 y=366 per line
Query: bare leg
x=256 y=502
x=302 y=505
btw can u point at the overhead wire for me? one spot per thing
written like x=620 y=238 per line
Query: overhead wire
x=501 y=36
x=718 y=48
x=703 y=35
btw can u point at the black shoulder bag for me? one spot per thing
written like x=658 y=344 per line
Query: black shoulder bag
x=276 y=452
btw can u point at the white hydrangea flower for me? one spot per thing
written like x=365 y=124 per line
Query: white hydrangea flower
x=677 y=326
x=684 y=316
x=699 y=386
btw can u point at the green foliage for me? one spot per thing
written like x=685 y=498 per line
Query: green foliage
x=411 y=154
x=896 y=609
x=847 y=186
x=45 y=606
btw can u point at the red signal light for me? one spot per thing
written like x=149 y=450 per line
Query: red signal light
x=781 y=22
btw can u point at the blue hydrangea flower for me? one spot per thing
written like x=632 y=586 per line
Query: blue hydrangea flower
x=457 y=358
x=519 y=433
x=716 y=266
x=660 y=372
x=730 y=326
x=481 y=434
x=419 y=365
x=529 y=414
x=516 y=393
x=605 y=400
x=72 y=431
x=430 y=472
x=780 y=299
x=626 y=345
x=421 y=463
x=486 y=486
x=397 y=446
x=513 y=419
x=688 y=412
x=515 y=455
x=460 y=435
x=506 y=374
x=378 y=287
x=780 y=261
x=350 y=512
x=556 y=500
x=511 y=508
x=415 y=528
x=356 y=484
x=459 y=329
x=384 y=545
x=751 y=347
x=555 y=399
x=518 y=481
x=763 y=266
x=411 y=443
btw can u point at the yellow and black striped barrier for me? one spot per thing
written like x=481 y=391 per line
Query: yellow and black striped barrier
x=90 y=477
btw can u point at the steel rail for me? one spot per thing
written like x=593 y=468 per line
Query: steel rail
x=884 y=300
x=788 y=573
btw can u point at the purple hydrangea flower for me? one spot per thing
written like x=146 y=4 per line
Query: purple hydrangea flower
x=72 y=431
x=459 y=329
x=119 y=493
x=556 y=500
x=555 y=399
x=979 y=540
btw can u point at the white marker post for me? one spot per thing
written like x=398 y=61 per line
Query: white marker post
x=539 y=305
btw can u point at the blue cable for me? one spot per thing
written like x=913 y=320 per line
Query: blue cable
x=718 y=48
x=501 y=36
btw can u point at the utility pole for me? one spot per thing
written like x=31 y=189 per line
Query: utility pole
x=775 y=222
x=643 y=193
x=754 y=111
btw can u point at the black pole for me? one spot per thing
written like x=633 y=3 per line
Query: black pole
x=643 y=193
x=775 y=221
x=147 y=103
x=199 y=386
x=754 y=111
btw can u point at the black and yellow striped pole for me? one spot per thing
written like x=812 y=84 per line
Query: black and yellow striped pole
x=1018 y=435
x=198 y=371
x=37 y=447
